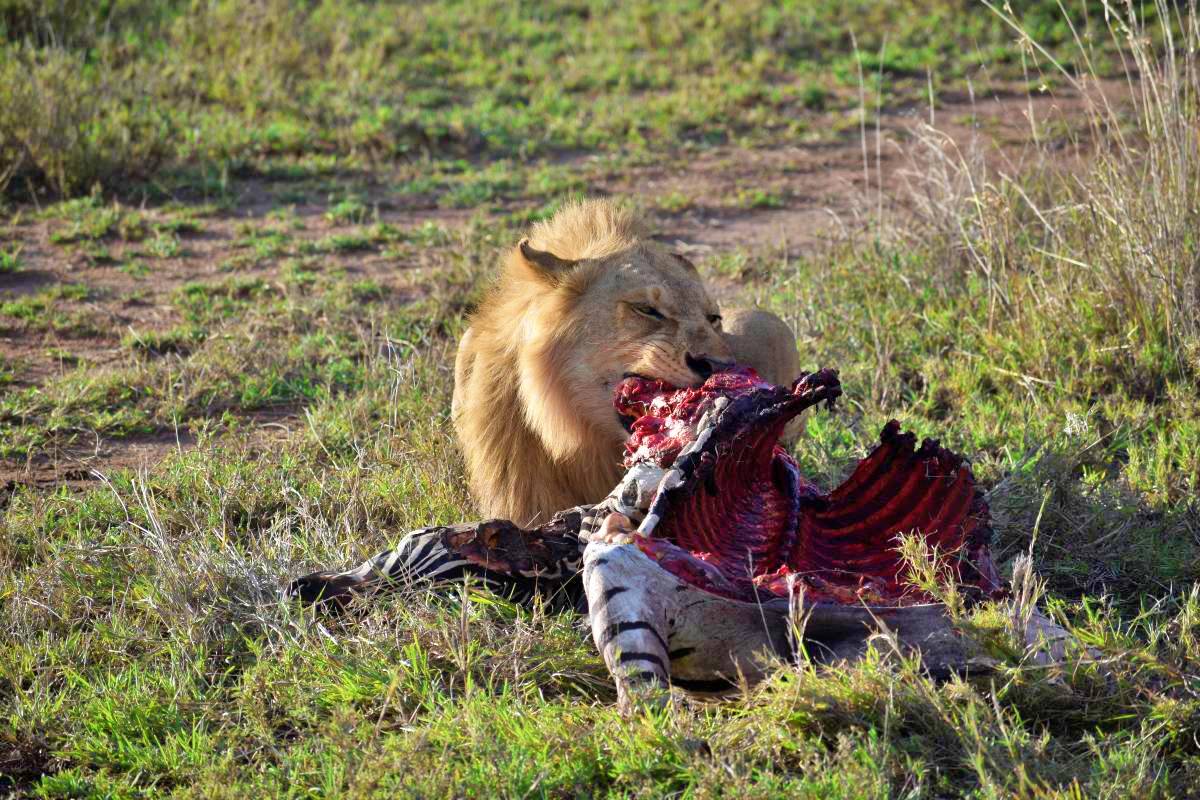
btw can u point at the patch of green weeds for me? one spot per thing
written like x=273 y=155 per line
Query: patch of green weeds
x=428 y=234
x=673 y=202
x=200 y=302
x=135 y=268
x=339 y=243
x=478 y=187
x=758 y=199
x=96 y=253
x=90 y=219
x=348 y=211
x=385 y=233
x=366 y=291
x=164 y=244
x=45 y=310
x=286 y=217
x=62 y=356
x=180 y=340
x=298 y=273
x=265 y=243
x=421 y=185
x=10 y=259
x=179 y=226
x=552 y=181
x=737 y=265
x=87 y=218
x=815 y=97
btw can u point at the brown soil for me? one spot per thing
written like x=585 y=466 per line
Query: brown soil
x=822 y=191
x=828 y=188
x=22 y=763
x=81 y=465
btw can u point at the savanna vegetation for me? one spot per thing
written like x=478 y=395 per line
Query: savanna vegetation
x=238 y=241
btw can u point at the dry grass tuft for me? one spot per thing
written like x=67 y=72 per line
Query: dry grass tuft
x=1114 y=229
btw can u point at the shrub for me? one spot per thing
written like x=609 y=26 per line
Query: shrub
x=66 y=126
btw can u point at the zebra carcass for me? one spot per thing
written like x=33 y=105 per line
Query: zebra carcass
x=715 y=553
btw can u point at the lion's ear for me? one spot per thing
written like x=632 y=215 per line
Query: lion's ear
x=543 y=260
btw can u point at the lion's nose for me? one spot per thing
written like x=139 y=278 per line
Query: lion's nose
x=704 y=366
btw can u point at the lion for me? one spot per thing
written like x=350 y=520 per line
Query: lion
x=582 y=302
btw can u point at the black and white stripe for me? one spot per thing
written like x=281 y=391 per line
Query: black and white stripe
x=423 y=559
x=629 y=624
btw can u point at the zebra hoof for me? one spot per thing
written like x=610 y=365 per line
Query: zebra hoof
x=328 y=591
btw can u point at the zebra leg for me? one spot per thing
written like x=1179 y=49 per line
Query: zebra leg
x=420 y=555
x=628 y=615
x=653 y=629
x=495 y=553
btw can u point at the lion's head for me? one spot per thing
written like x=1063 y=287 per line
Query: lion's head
x=605 y=305
x=584 y=301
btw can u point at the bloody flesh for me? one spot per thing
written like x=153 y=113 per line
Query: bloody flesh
x=735 y=517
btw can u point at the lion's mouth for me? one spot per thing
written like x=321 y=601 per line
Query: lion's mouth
x=732 y=514
x=633 y=396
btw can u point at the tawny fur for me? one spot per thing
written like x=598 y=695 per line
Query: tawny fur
x=567 y=319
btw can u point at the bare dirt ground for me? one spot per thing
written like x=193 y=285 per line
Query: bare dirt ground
x=817 y=192
x=829 y=188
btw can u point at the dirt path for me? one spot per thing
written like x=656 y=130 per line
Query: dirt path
x=829 y=188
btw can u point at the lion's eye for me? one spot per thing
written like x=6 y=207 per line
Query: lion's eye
x=649 y=311
x=714 y=320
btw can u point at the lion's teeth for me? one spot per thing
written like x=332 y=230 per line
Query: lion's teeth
x=720 y=403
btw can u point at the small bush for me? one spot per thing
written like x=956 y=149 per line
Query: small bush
x=66 y=126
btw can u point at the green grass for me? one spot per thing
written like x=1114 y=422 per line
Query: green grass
x=90 y=218
x=147 y=86
x=10 y=260
x=1042 y=321
x=349 y=210
x=220 y=690
x=53 y=309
